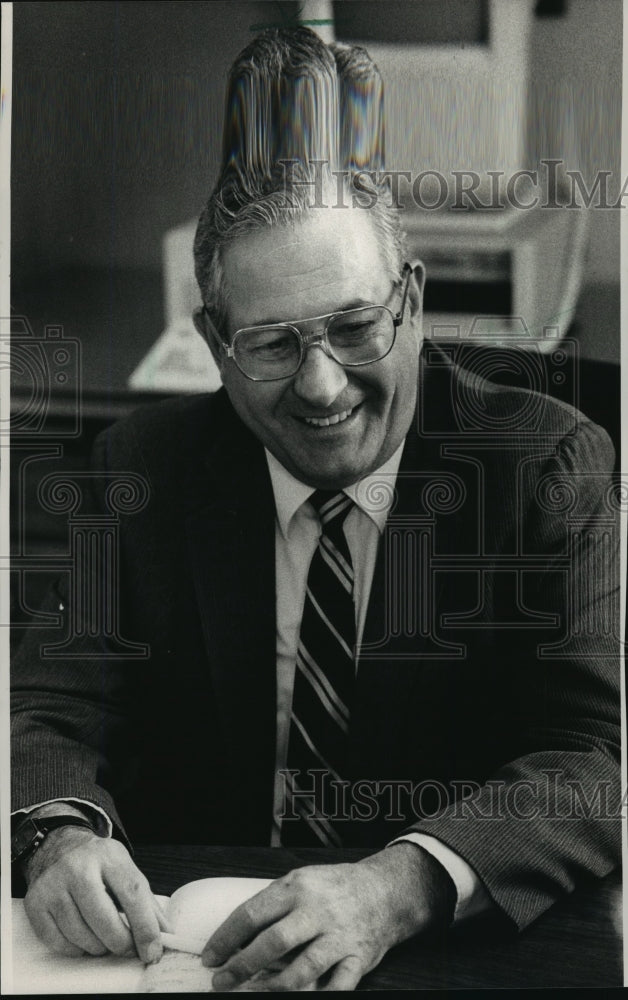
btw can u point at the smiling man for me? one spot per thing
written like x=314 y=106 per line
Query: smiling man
x=328 y=423
x=315 y=676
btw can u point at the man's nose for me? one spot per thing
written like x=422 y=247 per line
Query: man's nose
x=320 y=379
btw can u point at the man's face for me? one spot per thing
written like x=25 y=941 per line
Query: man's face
x=328 y=425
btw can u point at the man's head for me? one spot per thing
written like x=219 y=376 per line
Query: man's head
x=265 y=252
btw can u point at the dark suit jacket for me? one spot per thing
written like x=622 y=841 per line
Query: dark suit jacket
x=490 y=668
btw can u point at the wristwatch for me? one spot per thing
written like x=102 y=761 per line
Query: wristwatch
x=30 y=833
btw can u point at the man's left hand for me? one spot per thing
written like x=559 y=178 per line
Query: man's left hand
x=328 y=925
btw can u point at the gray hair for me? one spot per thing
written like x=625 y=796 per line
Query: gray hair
x=249 y=206
x=292 y=98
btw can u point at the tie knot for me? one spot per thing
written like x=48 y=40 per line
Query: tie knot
x=330 y=505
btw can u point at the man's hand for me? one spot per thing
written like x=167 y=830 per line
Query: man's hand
x=73 y=879
x=329 y=925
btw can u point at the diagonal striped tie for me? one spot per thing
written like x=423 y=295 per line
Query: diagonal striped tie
x=324 y=679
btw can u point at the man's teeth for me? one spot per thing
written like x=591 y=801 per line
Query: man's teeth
x=335 y=418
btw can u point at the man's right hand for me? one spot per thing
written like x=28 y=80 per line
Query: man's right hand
x=74 y=880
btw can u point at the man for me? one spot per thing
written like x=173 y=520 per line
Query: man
x=497 y=683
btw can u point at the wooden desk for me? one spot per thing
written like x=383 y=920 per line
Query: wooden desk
x=576 y=943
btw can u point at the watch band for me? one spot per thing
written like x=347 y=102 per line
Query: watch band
x=30 y=833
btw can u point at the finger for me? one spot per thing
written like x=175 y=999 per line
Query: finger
x=72 y=925
x=162 y=917
x=309 y=965
x=265 y=950
x=45 y=927
x=51 y=935
x=251 y=917
x=345 y=976
x=100 y=914
x=138 y=903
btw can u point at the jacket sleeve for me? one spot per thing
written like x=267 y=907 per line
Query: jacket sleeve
x=551 y=812
x=72 y=706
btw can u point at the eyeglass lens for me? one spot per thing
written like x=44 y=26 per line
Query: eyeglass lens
x=356 y=337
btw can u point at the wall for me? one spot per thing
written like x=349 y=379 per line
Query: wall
x=116 y=124
x=117 y=112
x=574 y=109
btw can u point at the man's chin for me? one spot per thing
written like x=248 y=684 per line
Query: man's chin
x=325 y=476
x=331 y=460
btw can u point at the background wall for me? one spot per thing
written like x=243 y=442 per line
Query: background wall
x=574 y=107
x=117 y=112
x=574 y=112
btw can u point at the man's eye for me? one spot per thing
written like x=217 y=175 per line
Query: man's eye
x=353 y=330
x=271 y=345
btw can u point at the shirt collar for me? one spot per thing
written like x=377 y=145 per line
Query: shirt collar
x=374 y=494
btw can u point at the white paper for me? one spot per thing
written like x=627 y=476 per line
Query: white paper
x=195 y=910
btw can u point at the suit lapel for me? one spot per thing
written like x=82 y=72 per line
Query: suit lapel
x=385 y=678
x=231 y=545
x=399 y=637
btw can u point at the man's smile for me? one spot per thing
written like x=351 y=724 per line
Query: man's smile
x=330 y=419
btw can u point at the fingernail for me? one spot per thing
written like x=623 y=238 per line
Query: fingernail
x=209 y=957
x=154 y=952
x=224 y=981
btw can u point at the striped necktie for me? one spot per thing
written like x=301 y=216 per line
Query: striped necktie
x=324 y=678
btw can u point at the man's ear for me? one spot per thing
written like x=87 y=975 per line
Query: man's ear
x=415 y=289
x=210 y=335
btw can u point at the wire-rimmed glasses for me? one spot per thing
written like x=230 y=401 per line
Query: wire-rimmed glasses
x=352 y=337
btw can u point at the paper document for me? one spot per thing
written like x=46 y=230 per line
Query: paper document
x=195 y=911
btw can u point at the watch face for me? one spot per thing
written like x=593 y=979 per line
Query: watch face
x=24 y=837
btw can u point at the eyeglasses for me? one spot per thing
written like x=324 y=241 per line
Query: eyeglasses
x=352 y=337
